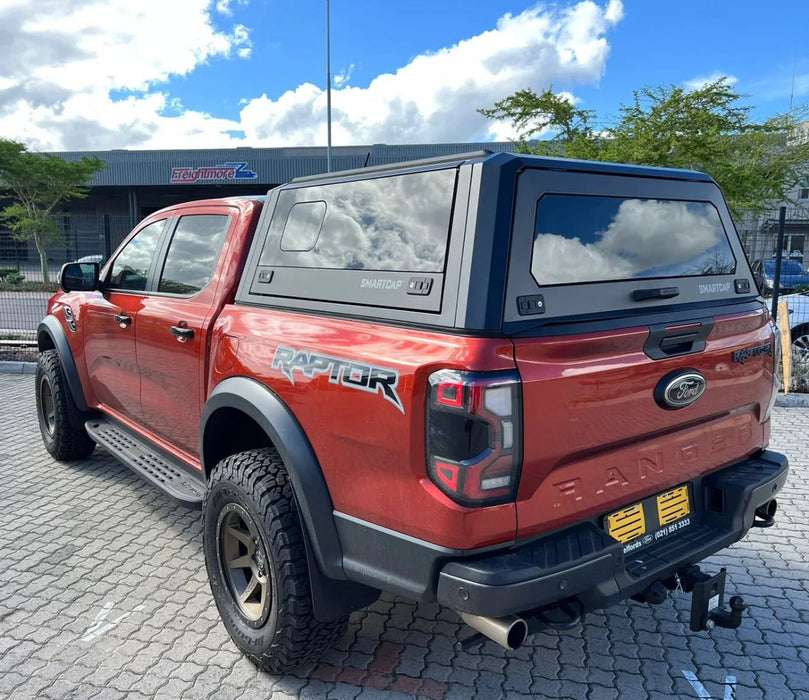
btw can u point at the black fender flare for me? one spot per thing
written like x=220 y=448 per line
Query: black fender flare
x=333 y=596
x=308 y=483
x=50 y=327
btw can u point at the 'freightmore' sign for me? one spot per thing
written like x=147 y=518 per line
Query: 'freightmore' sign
x=217 y=173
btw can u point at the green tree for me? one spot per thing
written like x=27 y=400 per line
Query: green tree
x=38 y=183
x=567 y=130
x=757 y=163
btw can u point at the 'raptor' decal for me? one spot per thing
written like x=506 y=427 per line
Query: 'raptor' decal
x=349 y=373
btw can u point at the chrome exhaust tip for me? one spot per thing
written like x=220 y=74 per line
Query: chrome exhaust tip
x=765 y=514
x=509 y=632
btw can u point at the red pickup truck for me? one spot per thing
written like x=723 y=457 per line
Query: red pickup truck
x=523 y=387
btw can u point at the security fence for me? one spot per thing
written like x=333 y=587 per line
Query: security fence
x=24 y=290
x=780 y=271
x=777 y=244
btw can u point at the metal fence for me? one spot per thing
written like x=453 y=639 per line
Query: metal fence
x=776 y=243
x=24 y=290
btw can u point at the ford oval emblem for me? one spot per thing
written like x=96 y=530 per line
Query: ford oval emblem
x=679 y=389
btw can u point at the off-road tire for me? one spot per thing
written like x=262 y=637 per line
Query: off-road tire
x=60 y=421
x=288 y=633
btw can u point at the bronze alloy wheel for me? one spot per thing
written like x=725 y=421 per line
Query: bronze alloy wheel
x=46 y=405
x=244 y=563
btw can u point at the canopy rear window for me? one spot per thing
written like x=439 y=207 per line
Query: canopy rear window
x=585 y=238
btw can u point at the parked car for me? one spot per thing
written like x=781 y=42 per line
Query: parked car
x=92 y=258
x=793 y=274
x=798 y=305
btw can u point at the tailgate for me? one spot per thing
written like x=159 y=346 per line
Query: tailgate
x=599 y=432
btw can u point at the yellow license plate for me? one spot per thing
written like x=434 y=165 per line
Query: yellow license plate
x=673 y=505
x=651 y=519
x=627 y=524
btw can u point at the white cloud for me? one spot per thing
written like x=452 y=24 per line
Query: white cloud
x=60 y=93
x=435 y=96
x=701 y=82
x=62 y=62
x=342 y=77
x=224 y=6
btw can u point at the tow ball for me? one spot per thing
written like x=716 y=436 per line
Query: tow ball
x=707 y=601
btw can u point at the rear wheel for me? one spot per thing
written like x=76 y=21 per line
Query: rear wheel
x=256 y=561
x=60 y=421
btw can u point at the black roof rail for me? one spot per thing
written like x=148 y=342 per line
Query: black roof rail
x=450 y=158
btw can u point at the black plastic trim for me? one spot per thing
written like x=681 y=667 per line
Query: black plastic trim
x=51 y=327
x=393 y=561
x=665 y=339
x=308 y=483
x=609 y=321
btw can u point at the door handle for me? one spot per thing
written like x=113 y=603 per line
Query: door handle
x=182 y=334
x=122 y=320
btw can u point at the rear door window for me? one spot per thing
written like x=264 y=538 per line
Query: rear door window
x=192 y=253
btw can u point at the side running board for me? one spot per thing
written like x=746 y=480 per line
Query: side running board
x=147 y=461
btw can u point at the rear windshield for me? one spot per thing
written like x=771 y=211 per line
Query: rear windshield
x=584 y=238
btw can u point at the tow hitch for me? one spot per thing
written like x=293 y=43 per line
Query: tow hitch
x=707 y=601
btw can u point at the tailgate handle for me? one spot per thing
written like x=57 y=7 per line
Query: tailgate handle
x=667 y=341
x=675 y=344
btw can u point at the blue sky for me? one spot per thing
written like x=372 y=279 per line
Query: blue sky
x=105 y=74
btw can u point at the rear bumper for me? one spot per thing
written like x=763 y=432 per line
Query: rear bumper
x=583 y=562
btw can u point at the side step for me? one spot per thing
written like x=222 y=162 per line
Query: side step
x=148 y=462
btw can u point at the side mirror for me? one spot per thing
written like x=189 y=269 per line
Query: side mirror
x=79 y=277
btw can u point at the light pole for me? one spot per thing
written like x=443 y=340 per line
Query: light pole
x=328 y=87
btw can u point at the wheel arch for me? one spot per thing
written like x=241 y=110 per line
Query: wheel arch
x=51 y=336
x=801 y=329
x=242 y=413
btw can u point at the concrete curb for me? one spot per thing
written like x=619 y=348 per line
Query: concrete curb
x=792 y=400
x=18 y=367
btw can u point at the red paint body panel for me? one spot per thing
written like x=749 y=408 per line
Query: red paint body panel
x=372 y=454
x=596 y=440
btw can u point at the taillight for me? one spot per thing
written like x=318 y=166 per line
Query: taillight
x=474 y=435
x=777 y=372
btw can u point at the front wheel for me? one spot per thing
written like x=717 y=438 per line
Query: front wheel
x=60 y=421
x=256 y=561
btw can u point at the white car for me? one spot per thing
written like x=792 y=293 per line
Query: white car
x=798 y=305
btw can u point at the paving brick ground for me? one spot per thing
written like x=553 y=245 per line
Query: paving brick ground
x=103 y=594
